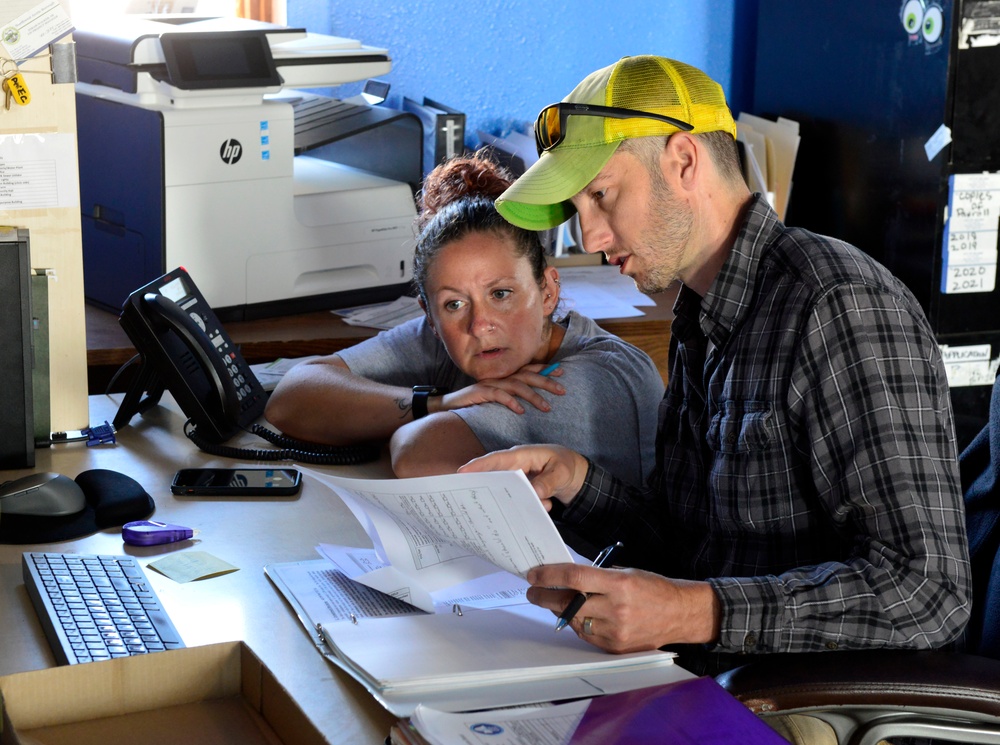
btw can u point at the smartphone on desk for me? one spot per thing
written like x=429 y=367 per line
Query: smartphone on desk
x=237 y=482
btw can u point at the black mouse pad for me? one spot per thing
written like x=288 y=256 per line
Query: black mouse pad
x=112 y=499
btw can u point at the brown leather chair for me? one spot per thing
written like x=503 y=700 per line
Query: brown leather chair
x=872 y=696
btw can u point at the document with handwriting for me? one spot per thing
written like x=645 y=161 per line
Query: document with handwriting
x=437 y=532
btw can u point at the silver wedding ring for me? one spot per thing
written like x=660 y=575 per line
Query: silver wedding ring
x=588 y=626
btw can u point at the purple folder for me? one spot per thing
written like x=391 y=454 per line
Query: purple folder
x=689 y=712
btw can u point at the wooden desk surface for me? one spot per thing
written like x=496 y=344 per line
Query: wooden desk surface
x=246 y=532
x=323 y=332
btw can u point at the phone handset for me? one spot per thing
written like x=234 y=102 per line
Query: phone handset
x=183 y=348
x=194 y=337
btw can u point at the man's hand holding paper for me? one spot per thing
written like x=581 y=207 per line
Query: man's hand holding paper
x=555 y=472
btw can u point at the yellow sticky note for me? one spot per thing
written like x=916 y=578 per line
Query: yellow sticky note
x=187 y=566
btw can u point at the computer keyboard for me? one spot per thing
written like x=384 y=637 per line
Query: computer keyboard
x=95 y=607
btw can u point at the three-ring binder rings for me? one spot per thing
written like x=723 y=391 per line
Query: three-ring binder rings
x=462 y=529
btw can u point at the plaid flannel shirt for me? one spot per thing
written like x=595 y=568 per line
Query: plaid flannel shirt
x=807 y=464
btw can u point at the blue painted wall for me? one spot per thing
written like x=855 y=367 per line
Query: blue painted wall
x=500 y=61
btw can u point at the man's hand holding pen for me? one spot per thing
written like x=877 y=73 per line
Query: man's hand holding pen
x=569 y=612
x=629 y=610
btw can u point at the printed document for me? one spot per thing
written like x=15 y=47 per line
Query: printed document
x=529 y=725
x=439 y=532
x=493 y=590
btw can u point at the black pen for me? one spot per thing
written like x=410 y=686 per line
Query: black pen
x=580 y=598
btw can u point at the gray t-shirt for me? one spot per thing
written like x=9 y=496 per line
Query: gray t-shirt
x=608 y=412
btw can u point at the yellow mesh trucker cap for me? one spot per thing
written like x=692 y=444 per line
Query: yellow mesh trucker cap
x=539 y=199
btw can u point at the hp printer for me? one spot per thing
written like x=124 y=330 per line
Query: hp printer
x=196 y=150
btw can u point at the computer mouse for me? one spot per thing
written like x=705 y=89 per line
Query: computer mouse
x=44 y=494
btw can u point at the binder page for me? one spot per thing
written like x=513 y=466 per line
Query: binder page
x=495 y=590
x=321 y=594
x=440 y=531
x=480 y=647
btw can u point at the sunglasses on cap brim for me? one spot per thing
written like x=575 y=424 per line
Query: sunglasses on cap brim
x=550 y=126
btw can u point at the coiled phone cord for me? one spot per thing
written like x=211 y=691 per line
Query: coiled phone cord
x=289 y=449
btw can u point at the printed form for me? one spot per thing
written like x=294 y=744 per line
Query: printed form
x=466 y=539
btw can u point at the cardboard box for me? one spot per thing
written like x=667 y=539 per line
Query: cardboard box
x=220 y=693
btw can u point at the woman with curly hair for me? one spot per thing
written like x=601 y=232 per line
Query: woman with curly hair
x=474 y=374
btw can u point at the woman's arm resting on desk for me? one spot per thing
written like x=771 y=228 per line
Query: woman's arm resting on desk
x=436 y=444
x=323 y=401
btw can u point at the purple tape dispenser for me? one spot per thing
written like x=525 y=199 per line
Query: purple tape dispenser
x=151 y=533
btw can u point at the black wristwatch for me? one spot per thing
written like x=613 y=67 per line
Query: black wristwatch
x=420 y=395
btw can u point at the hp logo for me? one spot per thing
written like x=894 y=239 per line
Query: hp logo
x=231 y=151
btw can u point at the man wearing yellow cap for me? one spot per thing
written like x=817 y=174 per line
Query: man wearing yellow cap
x=806 y=496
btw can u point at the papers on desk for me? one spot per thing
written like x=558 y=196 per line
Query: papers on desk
x=688 y=711
x=443 y=539
x=382 y=315
x=452 y=661
x=600 y=292
x=422 y=657
x=270 y=373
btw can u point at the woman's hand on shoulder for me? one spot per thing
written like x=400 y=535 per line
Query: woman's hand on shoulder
x=513 y=391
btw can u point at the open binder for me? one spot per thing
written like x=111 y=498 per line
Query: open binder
x=476 y=535
x=461 y=661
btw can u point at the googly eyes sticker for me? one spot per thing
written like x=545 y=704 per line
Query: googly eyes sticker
x=923 y=22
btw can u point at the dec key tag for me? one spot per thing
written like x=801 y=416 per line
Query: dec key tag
x=16 y=90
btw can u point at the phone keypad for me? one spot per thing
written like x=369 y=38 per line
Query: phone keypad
x=240 y=378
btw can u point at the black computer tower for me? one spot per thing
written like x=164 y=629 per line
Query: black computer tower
x=877 y=86
x=17 y=441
